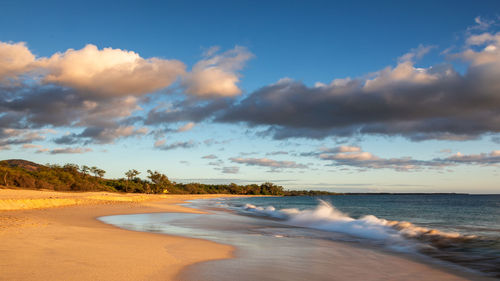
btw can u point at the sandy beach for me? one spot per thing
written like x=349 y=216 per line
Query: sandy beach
x=68 y=243
x=46 y=235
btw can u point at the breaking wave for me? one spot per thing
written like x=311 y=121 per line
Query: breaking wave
x=326 y=217
x=397 y=235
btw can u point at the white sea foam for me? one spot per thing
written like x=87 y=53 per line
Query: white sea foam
x=395 y=234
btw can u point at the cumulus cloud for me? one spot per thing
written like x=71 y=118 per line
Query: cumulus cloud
x=217 y=74
x=266 y=162
x=161 y=144
x=102 y=92
x=418 y=103
x=110 y=71
x=15 y=59
x=97 y=90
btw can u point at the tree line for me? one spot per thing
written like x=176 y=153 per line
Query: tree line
x=72 y=177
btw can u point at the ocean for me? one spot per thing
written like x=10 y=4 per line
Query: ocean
x=456 y=231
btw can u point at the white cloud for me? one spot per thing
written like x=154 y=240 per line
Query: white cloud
x=110 y=71
x=15 y=59
x=416 y=53
x=217 y=75
x=488 y=55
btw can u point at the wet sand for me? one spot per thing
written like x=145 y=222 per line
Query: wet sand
x=269 y=250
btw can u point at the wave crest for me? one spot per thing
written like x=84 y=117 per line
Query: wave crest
x=328 y=218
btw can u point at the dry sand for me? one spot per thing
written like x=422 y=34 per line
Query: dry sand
x=40 y=240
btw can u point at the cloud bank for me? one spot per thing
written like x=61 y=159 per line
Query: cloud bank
x=354 y=156
x=102 y=91
x=103 y=95
x=436 y=102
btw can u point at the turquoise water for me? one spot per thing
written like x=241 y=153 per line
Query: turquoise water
x=461 y=229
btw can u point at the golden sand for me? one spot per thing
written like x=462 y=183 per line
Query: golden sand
x=41 y=242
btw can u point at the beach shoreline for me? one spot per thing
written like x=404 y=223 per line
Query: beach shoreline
x=42 y=240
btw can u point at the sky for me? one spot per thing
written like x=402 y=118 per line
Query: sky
x=346 y=96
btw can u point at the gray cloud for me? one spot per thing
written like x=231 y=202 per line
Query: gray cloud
x=418 y=103
x=211 y=156
x=231 y=170
x=181 y=144
x=266 y=162
x=277 y=153
x=99 y=117
x=102 y=98
x=10 y=137
x=491 y=158
x=354 y=156
x=216 y=163
x=186 y=111
x=68 y=150
x=435 y=102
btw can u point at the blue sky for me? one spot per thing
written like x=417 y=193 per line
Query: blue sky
x=246 y=91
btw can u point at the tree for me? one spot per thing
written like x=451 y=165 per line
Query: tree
x=131 y=174
x=97 y=172
x=72 y=168
x=100 y=173
x=160 y=182
x=5 y=178
x=85 y=170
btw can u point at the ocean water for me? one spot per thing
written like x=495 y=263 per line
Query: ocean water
x=457 y=231
x=460 y=229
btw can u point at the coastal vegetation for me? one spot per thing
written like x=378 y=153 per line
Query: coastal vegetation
x=72 y=177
